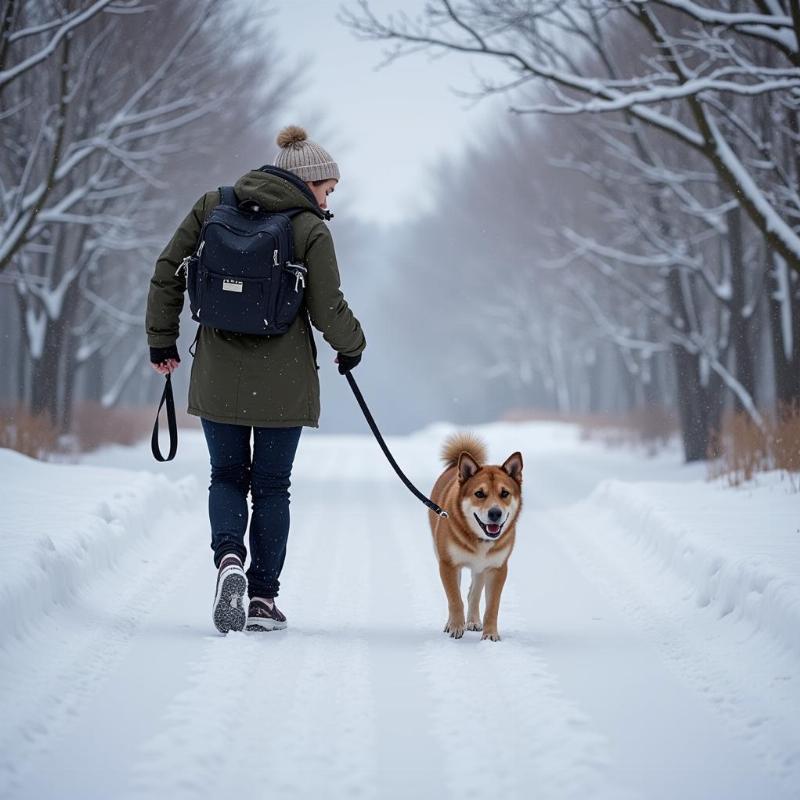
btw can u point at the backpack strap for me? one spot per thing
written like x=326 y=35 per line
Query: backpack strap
x=194 y=341
x=227 y=196
x=289 y=213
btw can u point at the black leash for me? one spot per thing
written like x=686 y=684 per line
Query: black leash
x=371 y=422
x=166 y=397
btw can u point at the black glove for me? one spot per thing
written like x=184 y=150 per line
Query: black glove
x=158 y=355
x=346 y=363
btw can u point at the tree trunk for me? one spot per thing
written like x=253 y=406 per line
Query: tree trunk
x=49 y=394
x=69 y=373
x=784 y=320
x=694 y=428
x=699 y=406
x=740 y=322
x=699 y=391
x=22 y=382
x=44 y=376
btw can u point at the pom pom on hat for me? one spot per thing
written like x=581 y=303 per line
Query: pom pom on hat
x=291 y=134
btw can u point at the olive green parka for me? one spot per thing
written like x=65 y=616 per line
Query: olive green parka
x=265 y=381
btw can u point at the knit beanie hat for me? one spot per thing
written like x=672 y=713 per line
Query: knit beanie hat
x=306 y=159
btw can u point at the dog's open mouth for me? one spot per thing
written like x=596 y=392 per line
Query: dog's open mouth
x=491 y=529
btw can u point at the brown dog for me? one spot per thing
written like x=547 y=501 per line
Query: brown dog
x=483 y=504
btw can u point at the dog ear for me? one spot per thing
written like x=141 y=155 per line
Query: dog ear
x=513 y=466
x=467 y=466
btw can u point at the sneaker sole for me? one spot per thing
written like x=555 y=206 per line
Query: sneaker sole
x=228 y=610
x=264 y=625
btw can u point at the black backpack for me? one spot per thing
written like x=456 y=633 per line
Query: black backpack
x=242 y=277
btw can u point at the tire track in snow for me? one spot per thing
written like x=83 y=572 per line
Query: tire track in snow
x=409 y=755
x=504 y=725
x=288 y=712
x=327 y=738
x=49 y=675
x=715 y=658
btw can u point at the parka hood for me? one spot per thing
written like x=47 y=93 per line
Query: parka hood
x=276 y=189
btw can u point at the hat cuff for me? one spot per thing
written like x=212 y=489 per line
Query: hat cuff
x=316 y=172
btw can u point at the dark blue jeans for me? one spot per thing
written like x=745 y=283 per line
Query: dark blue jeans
x=266 y=476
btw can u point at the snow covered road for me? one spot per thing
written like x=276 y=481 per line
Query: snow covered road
x=616 y=676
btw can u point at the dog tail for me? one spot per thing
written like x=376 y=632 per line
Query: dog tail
x=459 y=443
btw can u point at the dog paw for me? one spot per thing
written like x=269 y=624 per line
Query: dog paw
x=455 y=629
x=492 y=636
x=474 y=626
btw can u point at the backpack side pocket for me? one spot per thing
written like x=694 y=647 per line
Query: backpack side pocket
x=191 y=265
x=290 y=295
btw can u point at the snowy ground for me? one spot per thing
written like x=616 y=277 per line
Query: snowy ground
x=651 y=628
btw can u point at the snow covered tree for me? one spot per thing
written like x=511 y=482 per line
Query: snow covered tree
x=661 y=85
x=699 y=58
x=102 y=104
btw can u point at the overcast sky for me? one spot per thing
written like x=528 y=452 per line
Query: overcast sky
x=385 y=128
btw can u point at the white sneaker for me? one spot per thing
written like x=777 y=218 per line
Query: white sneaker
x=228 y=610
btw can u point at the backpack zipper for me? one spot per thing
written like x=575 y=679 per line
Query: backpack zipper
x=299 y=274
x=184 y=265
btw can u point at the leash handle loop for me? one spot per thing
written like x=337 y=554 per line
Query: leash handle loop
x=172 y=425
x=371 y=422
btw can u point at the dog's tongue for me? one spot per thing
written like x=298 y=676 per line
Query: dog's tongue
x=493 y=528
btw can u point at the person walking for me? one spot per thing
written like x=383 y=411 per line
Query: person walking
x=250 y=387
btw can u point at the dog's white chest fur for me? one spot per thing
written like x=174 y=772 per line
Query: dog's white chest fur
x=477 y=562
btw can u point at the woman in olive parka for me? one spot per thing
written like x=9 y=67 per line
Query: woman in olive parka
x=267 y=385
